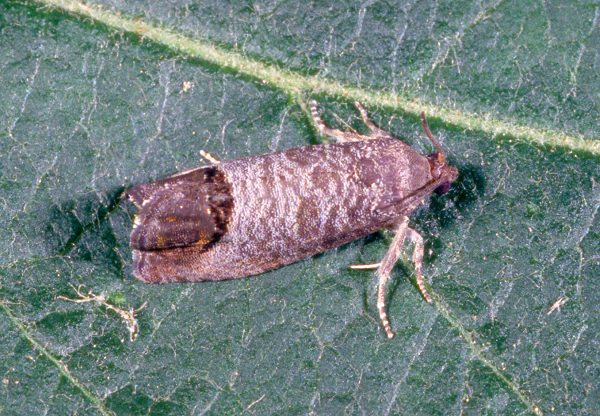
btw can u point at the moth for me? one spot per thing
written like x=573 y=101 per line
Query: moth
x=241 y=217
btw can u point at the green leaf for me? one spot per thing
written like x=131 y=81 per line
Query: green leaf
x=103 y=96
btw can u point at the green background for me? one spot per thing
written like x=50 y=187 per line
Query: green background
x=89 y=107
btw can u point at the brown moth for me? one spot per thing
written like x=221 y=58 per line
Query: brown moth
x=242 y=217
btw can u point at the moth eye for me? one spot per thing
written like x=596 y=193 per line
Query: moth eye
x=443 y=188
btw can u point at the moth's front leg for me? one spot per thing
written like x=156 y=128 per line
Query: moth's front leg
x=348 y=136
x=389 y=260
x=417 y=259
x=385 y=268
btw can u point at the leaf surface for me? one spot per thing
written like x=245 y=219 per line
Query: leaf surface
x=100 y=97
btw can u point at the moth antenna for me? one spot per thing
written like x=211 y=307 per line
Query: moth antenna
x=441 y=154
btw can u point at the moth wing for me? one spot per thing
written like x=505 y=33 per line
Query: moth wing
x=188 y=209
x=165 y=266
x=178 y=216
x=143 y=192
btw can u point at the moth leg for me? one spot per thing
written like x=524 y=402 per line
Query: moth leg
x=417 y=259
x=365 y=266
x=338 y=135
x=389 y=260
x=210 y=158
x=376 y=132
x=385 y=268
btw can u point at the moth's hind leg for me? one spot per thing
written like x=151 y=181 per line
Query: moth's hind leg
x=208 y=157
x=389 y=260
x=338 y=135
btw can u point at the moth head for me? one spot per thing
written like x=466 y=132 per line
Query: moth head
x=440 y=171
x=442 y=189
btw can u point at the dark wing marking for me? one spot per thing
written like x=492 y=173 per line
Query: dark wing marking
x=185 y=210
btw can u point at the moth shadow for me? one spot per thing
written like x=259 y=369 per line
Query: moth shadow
x=91 y=228
x=443 y=210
